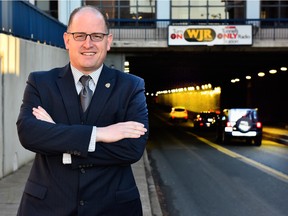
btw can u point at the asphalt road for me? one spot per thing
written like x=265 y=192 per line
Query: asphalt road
x=196 y=177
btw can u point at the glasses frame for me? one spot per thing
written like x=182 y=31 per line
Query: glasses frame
x=99 y=33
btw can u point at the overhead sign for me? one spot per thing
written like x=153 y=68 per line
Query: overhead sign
x=210 y=35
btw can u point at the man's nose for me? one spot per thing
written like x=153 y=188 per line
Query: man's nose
x=88 y=41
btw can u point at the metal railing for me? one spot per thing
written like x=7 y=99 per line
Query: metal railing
x=24 y=20
x=268 y=29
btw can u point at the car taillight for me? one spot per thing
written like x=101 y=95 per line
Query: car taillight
x=228 y=124
x=259 y=125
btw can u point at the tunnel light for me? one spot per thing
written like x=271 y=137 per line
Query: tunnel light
x=126 y=63
x=283 y=68
x=191 y=88
x=248 y=77
x=272 y=71
x=126 y=67
x=235 y=80
x=261 y=74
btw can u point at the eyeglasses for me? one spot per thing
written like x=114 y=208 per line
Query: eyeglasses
x=81 y=36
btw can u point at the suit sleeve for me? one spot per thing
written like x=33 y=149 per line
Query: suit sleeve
x=47 y=138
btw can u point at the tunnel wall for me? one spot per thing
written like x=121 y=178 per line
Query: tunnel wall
x=194 y=101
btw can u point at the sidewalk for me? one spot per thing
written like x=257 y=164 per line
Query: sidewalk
x=11 y=187
x=276 y=134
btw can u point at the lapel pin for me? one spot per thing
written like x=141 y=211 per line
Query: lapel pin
x=107 y=85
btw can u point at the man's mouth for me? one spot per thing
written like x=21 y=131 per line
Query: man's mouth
x=88 y=53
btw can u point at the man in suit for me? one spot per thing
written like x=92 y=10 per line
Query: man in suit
x=83 y=157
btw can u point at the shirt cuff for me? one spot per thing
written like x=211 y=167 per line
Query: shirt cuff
x=66 y=158
x=92 y=144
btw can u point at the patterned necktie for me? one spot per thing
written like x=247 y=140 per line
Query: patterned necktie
x=86 y=93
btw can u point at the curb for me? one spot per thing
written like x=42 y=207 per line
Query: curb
x=154 y=201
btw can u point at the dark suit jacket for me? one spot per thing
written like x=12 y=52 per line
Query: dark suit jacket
x=96 y=183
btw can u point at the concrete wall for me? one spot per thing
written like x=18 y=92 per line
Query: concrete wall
x=18 y=58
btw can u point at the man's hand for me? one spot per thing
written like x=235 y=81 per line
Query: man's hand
x=119 y=131
x=41 y=114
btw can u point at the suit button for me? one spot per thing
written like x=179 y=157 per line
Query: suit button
x=81 y=203
x=82 y=170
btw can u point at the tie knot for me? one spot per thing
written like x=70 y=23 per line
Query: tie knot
x=85 y=80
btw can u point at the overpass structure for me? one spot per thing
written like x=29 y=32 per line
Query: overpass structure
x=28 y=37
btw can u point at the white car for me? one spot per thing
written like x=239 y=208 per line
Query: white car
x=179 y=113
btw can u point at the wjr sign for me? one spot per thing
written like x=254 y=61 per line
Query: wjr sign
x=210 y=35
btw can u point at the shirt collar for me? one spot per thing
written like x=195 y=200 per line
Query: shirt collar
x=94 y=75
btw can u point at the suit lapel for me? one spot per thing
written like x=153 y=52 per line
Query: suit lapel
x=69 y=94
x=105 y=85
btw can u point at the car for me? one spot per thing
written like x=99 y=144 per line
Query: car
x=179 y=113
x=240 y=123
x=205 y=119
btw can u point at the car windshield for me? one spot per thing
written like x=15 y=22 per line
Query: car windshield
x=179 y=109
x=236 y=114
x=209 y=115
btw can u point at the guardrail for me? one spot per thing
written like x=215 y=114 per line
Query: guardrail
x=24 y=20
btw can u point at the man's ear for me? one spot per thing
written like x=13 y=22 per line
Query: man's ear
x=109 y=41
x=66 y=40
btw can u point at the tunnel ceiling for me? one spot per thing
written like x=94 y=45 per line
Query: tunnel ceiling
x=165 y=70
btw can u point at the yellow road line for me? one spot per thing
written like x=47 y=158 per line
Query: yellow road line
x=262 y=167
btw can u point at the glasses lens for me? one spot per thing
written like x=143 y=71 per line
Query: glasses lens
x=97 y=37
x=79 y=36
